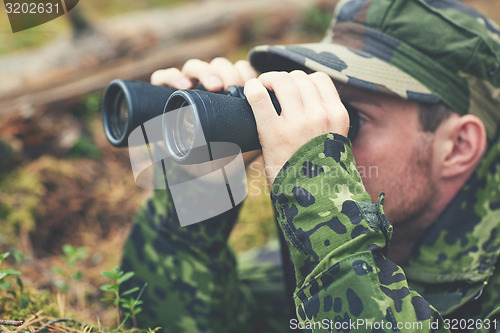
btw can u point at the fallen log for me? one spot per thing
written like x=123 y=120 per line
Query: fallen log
x=132 y=46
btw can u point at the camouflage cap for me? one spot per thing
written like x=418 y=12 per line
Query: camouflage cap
x=423 y=50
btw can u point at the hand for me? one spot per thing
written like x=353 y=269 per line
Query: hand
x=214 y=76
x=310 y=106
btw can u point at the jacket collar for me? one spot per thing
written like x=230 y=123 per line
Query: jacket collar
x=461 y=247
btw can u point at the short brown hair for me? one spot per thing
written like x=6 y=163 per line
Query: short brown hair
x=431 y=115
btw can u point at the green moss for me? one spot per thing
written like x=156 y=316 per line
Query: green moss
x=84 y=147
x=21 y=193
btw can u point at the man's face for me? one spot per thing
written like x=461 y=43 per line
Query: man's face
x=392 y=153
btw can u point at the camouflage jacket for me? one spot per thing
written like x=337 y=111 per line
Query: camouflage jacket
x=338 y=241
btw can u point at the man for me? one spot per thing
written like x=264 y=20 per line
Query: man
x=423 y=79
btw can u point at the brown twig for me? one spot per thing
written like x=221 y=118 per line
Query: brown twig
x=52 y=322
x=7 y=322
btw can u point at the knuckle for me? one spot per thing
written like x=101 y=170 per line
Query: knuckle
x=338 y=117
x=298 y=73
x=242 y=63
x=266 y=76
x=273 y=77
x=321 y=76
x=220 y=61
x=162 y=75
x=192 y=63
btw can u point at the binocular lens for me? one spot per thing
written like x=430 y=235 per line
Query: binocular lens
x=119 y=116
x=183 y=132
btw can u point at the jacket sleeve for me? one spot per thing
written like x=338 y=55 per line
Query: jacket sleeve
x=338 y=241
x=188 y=273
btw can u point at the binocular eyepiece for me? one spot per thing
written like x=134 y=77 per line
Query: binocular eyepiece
x=192 y=119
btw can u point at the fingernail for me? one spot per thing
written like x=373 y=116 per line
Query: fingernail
x=214 y=82
x=185 y=83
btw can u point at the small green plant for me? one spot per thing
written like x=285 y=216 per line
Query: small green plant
x=7 y=287
x=130 y=306
x=71 y=256
x=5 y=273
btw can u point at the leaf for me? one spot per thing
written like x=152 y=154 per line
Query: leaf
x=130 y=291
x=78 y=276
x=19 y=283
x=127 y=303
x=125 y=277
x=109 y=275
x=6 y=285
x=68 y=249
x=2 y=275
x=81 y=253
x=11 y=272
x=109 y=287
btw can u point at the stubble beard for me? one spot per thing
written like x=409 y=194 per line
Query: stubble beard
x=414 y=193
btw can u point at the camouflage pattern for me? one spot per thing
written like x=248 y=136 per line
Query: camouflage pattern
x=424 y=50
x=338 y=241
x=192 y=282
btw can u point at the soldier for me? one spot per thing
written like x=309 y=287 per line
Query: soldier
x=421 y=80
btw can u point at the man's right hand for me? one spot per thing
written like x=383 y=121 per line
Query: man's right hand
x=214 y=76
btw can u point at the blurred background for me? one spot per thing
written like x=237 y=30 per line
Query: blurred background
x=67 y=197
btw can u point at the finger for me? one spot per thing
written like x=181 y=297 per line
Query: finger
x=310 y=96
x=325 y=87
x=338 y=117
x=286 y=91
x=196 y=69
x=171 y=77
x=262 y=107
x=227 y=72
x=246 y=70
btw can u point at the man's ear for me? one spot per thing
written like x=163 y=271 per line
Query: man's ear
x=464 y=145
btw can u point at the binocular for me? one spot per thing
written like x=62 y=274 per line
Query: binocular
x=195 y=117
x=191 y=118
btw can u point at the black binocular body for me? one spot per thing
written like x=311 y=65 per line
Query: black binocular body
x=191 y=118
